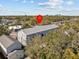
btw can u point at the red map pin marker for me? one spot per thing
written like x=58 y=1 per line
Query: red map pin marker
x=39 y=19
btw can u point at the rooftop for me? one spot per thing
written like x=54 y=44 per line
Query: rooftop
x=17 y=54
x=6 y=41
x=36 y=29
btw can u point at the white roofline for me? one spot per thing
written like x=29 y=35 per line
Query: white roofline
x=37 y=29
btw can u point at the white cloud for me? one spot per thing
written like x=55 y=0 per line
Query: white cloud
x=45 y=3
x=56 y=2
x=23 y=1
x=60 y=6
x=2 y=8
x=52 y=3
x=52 y=6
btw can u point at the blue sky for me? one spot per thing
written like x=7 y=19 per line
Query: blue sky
x=35 y=7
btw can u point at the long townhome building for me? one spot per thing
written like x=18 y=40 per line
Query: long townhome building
x=25 y=35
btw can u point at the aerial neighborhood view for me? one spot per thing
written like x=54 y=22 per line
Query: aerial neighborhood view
x=39 y=29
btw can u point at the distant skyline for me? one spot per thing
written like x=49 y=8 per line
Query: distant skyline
x=36 y=7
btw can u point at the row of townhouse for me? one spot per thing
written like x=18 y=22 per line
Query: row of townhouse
x=26 y=35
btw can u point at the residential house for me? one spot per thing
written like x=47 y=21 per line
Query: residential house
x=15 y=27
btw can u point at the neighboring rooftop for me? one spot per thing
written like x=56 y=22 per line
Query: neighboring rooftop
x=13 y=35
x=36 y=29
x=6 y=41
x=15 y=27
x=17 y=54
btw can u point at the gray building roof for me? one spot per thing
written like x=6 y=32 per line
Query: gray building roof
x=17 y=54
x=37 y=29
x=6 y=41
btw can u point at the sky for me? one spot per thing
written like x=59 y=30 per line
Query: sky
x=42 y=7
